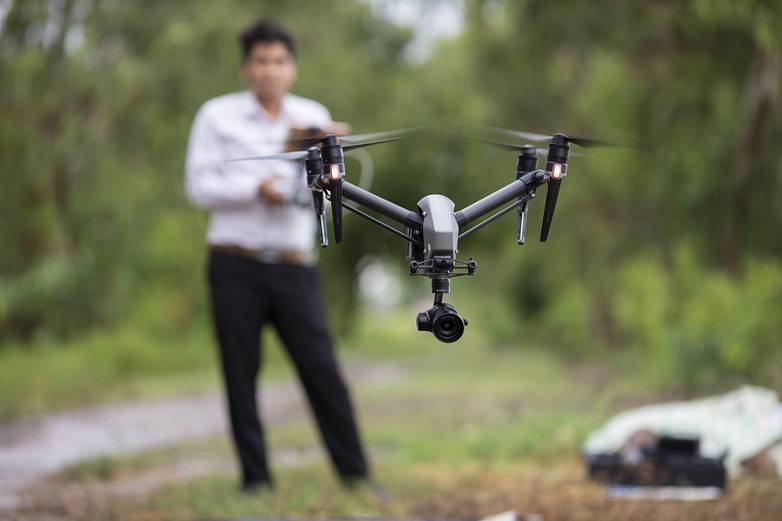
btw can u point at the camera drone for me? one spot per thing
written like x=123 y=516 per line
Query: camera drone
x=432 y=231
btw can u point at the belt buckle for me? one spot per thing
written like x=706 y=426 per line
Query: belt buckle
x=269 y=256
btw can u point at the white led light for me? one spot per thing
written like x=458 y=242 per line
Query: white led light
x=334 y=172
x=556 y=171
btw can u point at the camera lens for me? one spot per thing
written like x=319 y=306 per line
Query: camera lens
x=443 y=321
x=448 y=327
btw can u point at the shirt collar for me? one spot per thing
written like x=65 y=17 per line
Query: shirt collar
x=254 y=109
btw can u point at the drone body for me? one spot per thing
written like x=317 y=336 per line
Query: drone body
x=433 y=229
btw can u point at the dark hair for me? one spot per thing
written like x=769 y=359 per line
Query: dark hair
x=265 y=31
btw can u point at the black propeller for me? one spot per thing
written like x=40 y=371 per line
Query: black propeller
x=532 y=136
x=302 y=154
x=332 y=151
x=520 y=148
x=325 y=168
x=556 y=163
x=352 y=140
x=349 y=142
x=509 y=146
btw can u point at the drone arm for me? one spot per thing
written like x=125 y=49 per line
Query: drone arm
x=521 y=204
x=491 y=202
x=382 y=206
x=380 y=223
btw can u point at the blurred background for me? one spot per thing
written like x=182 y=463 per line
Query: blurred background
x=668 y=255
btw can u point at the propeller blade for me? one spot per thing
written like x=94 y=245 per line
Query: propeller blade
x=521 y=135
x=588 y=143
x=350 y=142
x=369 y=143
x=353 y=139
x=290 y=156
x=508 y=146
x=304 y=143
x=302 y=154
x=376 y=136
x=581 y=141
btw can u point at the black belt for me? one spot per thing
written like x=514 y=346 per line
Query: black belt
x=267 y=255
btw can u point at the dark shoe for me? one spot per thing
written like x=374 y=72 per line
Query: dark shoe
x=379 y=491
x=357 y=484
x=257 y=488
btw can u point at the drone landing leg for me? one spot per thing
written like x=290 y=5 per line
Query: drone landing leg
x=320 y=212
x=522 y=223
x=324 y=234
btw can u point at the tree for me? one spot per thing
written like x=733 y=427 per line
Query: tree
x=100 y=96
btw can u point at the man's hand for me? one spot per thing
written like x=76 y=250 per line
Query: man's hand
x=270 y=191
x=298 y=137
x=337 y=127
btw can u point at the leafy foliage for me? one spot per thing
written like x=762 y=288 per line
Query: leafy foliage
x=98 y=98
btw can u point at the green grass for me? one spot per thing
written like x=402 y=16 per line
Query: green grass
x=453 y=430
x=307 y=491
x=133 y=361
x=453 y=415
x=101 y=367
x=106 y=366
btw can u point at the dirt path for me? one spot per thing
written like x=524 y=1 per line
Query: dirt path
x=31 y=449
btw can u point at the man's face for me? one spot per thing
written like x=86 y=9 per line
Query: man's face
x=269 y=70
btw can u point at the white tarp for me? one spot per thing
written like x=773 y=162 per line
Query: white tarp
x=737 y=425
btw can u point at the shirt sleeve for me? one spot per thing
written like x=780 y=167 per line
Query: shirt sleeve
x=207 y=184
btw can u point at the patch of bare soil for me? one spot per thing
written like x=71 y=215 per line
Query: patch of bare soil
x=58 y=497
x=564 y=494
x=561 y=493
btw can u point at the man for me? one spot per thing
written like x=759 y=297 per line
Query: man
x=261 y=263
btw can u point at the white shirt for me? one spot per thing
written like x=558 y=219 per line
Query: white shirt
x=234 y=126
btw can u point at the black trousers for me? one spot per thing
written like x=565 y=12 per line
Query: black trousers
x=246 y=295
